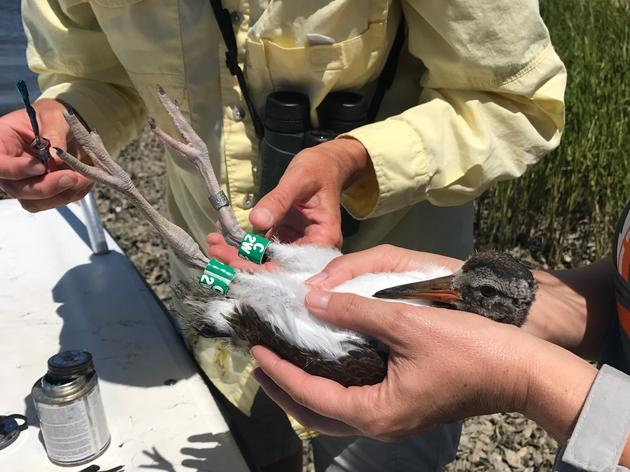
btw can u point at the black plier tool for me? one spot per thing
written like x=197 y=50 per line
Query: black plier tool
x=96 y=468
x=40 y=145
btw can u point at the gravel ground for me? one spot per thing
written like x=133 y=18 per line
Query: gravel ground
x=502 y=442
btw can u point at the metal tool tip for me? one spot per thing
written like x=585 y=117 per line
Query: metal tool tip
x=161 y=90
x=59 y=151
x=23 y=89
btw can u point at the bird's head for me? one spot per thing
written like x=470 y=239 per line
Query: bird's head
x=491 y=284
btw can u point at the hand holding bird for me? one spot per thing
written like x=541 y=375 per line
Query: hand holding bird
x=443 y=365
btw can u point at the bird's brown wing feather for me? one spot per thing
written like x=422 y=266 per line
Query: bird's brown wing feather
x=362 y=366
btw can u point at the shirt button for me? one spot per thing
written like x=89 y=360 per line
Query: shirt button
x=236 y=17
x=248 y=201
x=238 y=114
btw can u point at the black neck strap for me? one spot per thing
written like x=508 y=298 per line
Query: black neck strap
x=385 y=80
x=231 y=60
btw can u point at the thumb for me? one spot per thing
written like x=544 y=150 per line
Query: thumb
x=388 y=322
x=383 y=258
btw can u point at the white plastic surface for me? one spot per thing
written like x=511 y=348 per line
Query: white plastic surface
x=55 y=295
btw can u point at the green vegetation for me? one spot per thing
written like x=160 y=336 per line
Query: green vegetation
x=570 y=200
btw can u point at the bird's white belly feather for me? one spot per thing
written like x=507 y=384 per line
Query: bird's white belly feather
x=368 y=284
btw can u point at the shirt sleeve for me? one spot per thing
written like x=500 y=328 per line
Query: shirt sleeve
x=491 y=105
x=602 y=428
x=75 y=64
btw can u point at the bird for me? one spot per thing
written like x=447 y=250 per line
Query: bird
x=267 y=306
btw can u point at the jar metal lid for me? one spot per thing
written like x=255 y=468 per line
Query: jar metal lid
x=70 y=364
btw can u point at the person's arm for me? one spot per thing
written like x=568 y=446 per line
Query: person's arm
x=574 y=308
x=443 y=366
x=491 y=106
x=75 y=64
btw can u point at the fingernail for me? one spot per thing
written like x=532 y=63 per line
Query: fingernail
x=318 y=299
x=253 y=351
x=66 y=182
x=316 y=279
x=262 y=216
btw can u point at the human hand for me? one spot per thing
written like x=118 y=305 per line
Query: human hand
x=574 y=308
x=304 y=206
x=383 y=258
x=21 y=175
x=443 y=366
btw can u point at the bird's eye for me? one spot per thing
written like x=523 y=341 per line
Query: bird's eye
x=488 y=291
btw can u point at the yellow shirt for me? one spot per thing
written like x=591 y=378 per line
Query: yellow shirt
x=478 y=97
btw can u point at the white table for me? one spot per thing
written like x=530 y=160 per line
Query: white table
x=54 y=296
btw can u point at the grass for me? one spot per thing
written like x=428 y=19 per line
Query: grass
x=573 y=196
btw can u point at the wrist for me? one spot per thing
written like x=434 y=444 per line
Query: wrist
x=573 y=307
x=355 y=160
x=558 y=383
x=509 y=370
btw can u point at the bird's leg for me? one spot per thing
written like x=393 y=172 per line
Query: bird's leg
x=107 y=172
x=196 y=152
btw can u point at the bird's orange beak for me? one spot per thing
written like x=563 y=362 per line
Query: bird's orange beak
x=438 y=290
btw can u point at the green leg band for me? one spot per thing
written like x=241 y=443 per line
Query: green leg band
x=253 y=248
x=217 y=276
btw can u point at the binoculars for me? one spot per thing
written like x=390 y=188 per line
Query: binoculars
x=288 y=130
